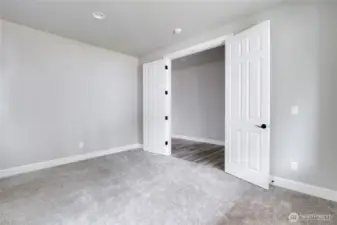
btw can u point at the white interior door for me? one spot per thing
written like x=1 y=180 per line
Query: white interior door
x=157 y=107
x=248 y=105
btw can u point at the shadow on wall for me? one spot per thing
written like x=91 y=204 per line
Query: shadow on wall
x=140 y=102
x=326 y=122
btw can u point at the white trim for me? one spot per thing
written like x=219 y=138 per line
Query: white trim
x=168 y=105
x=202 y=46
x=62 y=161
x=213 y=43
x=204 y=140
x=305 y=188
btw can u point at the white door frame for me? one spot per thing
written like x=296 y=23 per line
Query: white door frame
x=213 y=43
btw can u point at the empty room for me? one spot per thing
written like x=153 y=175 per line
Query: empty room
x=198 y=107
x=166 y=112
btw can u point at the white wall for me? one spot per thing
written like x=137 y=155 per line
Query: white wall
x=56 y=92
x=198 y=103
x=303 y=73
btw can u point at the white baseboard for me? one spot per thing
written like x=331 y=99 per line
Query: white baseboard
x=62 y=161
x=204 y=140
x=305 y=188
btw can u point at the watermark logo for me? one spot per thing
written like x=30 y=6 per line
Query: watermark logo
x=294 y=217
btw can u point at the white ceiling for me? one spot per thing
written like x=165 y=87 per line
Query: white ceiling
x=134 y=28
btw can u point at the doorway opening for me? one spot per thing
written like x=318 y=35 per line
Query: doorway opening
x=198 y=107
x=247 y=102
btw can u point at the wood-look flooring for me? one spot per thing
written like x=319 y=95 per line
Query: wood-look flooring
x=203 y=153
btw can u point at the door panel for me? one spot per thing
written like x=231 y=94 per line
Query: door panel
x=254 y=89
x=156 y=107
x=248 y=104
x=254 y=146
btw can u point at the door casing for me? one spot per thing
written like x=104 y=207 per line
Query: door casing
x=213 y=43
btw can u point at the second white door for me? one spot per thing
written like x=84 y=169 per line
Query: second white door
x=157 y=107
x=247 y=103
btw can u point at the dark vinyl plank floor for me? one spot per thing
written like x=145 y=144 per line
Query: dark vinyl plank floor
x=203 y=153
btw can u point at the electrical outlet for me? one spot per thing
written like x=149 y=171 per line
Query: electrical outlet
x=81 y=144
x=293 y=166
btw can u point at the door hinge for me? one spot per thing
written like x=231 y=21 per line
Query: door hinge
x=166 y=92
x=166 y=117
x=166 y=142
x=166 y=67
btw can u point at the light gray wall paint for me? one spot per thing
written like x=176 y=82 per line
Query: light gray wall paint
x=140 y=103
x=303 y=73
x=204 y=57
x=55 y=93
x=198 y=104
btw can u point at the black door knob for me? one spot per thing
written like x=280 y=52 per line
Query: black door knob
x=262 y=126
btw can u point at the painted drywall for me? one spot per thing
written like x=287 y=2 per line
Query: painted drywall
x=198 y=99
x=56 y=93
x=133 y=27
x=303 y=73
x=196 y=59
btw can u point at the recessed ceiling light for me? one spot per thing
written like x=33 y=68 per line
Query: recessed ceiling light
x=99 y=15
x=177 y=30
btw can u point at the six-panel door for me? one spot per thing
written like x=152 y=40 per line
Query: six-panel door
x=248 y=105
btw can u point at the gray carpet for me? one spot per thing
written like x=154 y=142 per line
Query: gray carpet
x=136 y=187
